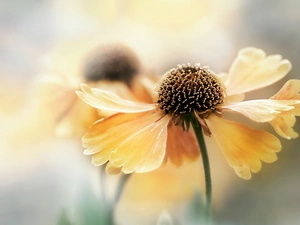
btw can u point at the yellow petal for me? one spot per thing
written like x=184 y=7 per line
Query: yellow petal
x=144 y=150
x=111 y=170
x=285 y=121
x=105 y=100
x=290 y=90
x=252 y=70
x=143 y=88
x=95 y=133
x=136 y=142
x=181 y=145
x=232 y=98
x=243 y=147
x=263 y=110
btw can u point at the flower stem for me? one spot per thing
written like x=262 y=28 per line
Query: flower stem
x=122 y=182
x=208 y=187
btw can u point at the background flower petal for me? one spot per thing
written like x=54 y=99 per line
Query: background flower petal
x=243 y=147
x=263 y=110
x=252 y=70
x=105 y=100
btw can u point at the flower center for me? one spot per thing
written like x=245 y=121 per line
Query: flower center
x=188 y=88
x=113 y=62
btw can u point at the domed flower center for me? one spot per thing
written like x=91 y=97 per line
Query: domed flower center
x=188 y=88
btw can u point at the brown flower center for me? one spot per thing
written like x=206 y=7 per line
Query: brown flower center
x=188 y=88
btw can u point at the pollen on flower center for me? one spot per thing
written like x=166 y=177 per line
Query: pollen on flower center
x=187 y=88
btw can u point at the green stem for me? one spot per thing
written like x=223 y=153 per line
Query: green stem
x=208 y=187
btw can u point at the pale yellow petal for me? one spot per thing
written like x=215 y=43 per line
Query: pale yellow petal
x=135 y=142
x=181 y=145
x=243 y=147
x=263 y=110
x=92 y=140
x=111 y=170
x=232 y=98
x=252 y=70
x=290 y=90
x=96 y=138
x=285 y=121
x=105 y=100
x=144 y=150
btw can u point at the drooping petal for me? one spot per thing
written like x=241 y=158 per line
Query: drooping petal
x=91 y=138
x=285 y=121
x=105 y=100
x=252 y=70
x=111 y=170
x=135 y=142
x=243 y=147
x=181 y=145
x=263 y=110
x=144 y=150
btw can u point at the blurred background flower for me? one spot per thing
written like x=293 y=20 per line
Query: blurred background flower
x=43 y=176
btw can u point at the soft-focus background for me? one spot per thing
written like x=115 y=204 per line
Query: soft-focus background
x=47 y=180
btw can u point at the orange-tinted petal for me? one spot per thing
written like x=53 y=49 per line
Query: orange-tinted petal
x=243 y=147
x=144 y=150
x=105 y=100
x=252 y=70
x=135 y=142
x=143 y=88
x=181 y=145
x=95 y=133
x=111 y=170
x=263 y=110
x=285 y=121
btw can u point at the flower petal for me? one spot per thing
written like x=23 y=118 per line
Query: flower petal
x=144 y=150
x=290 y=90
x=243 y=147
x=252 y=70
x=284 y=122
x=135 y=142
x=76 y=120
x=263 y=110
x=105 y=100
x=90 y=140
x=111 y=170
x=181 y=145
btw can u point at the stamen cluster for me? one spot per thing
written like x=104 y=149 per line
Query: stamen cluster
x=187 y=88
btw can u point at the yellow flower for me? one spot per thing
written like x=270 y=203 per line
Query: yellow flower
x=140 y=137
x=110 y=66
